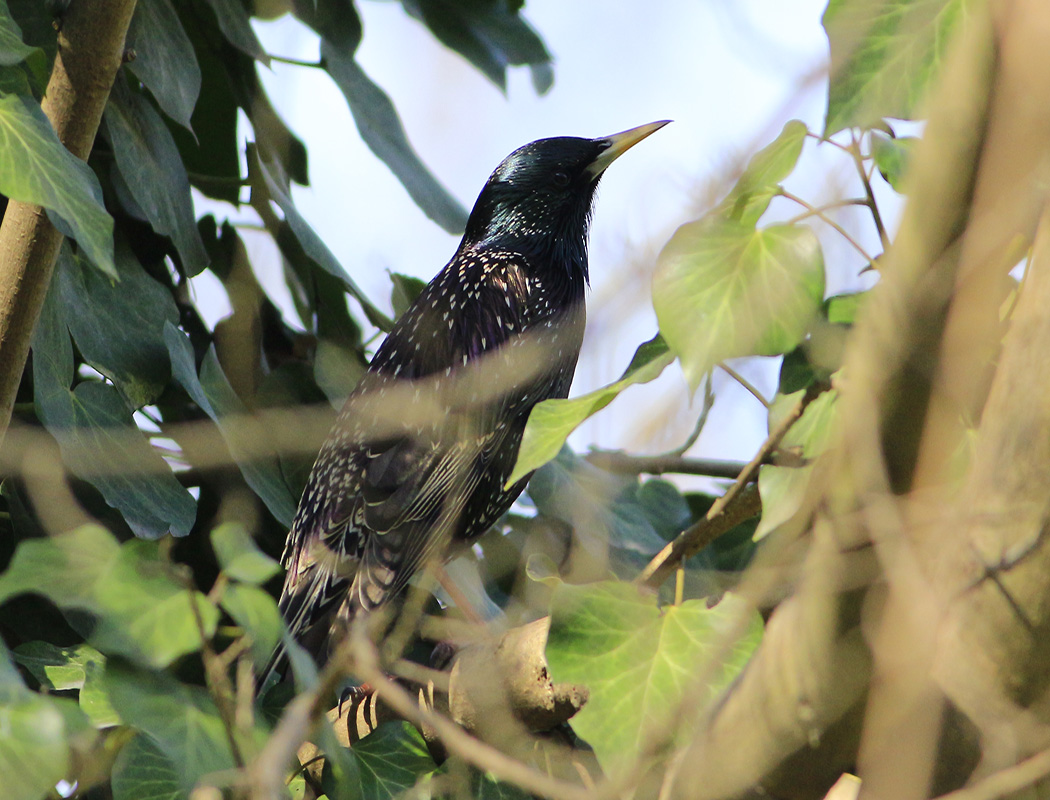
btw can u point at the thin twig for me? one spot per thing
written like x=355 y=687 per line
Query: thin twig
x=838 y=228
x=858 y=160
x=624 y=463
x=732 y=373
x=296 y=62
x=1006 y=781
x=817 y=210
x=738 y=503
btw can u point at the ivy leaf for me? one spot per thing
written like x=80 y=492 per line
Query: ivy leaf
x=78 y=667
x=885 y=55
x=164 y=59
x=212 y=392
x=551 y=421
x=782 y=488
x=256 y=613
x=891 y=156
x=639 y=662
x=239 y=556
x=235 y=26
x=34 y=749
x=181 y=720
x=36 y=168
x=761 y=179
x=143 y=772
x=152 y=169
x=12 y=49
x=381 y=129
x=142 y=611
x=724 y=290
x=490 y=35
x=118 y=327
x=391 y=759
x=406 y=290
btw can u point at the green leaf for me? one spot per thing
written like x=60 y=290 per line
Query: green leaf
x=181 y=720
x=782 y=488
x=842 y=309
x=100 y=441
x=491 y=36
x=391 y=759
x=36 y=168
x=149 y=162
x=118 y=327
x=724 y=290
x=78 y=667
x=891 y=156
x=761 y=179
x=640 y=662
x=212 y=392
x=142 y=611
x=239 y=556
x=551 y=421
x=406 y=290
x=12 y=49
x=164 y=59
x=143 y=772
x=256 y=613
x=34 y=748
x=235 y=26
x=885 y=55
x=380 y=128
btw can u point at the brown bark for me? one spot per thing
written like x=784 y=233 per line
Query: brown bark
x=90 y=49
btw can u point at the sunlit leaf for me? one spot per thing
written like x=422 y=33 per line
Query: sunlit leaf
x=164 y=58
x=885 y=54
x=36 y=168
x=143 y=612
x=891 y=157
x=77 y=667
x=783 y=488
x=391 y=759
x=239 y=556
x=724 y=290
x=761 y=179
x=551 y=422
x=640 y=662
x=256 y=613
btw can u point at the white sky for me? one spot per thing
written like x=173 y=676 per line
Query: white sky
x=729 y=73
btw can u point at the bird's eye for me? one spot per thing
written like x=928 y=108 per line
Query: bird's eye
x=560 y=179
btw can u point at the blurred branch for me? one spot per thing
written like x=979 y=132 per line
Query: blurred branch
x=736 y=505
x=625 y=463
x=90 y=50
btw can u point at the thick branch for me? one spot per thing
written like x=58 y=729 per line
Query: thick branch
x=90 y=48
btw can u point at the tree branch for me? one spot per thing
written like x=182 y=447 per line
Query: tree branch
x=90 y=49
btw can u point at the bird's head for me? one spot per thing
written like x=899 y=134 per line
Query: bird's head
x=538 y=201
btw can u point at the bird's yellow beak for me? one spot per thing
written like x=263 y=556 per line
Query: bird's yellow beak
x=620 y=143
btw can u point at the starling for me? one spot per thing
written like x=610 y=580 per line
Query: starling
x=419 y=457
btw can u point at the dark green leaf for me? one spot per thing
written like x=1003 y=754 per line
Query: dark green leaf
x=152 y=169
x=78 y=667
x=182 y=720
x=118 y=327
x=406 y=290
x=143 y=772
x=551 y=422
x=164 y=58
x=12 y=48
x=885 y=54
x=761 y=179
x=391 y=759
x=239 y=556
x=13 y=80
x=257 y=614
x=36 y=168
x=212 y=392
x=380 y=128
x=312 y=244
x=490 y=35
x=142 y=611
x=724 y=290
x=337 y=21
x=783 y=488
x=640 y=662
x=233 y=22
x=891 y=157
